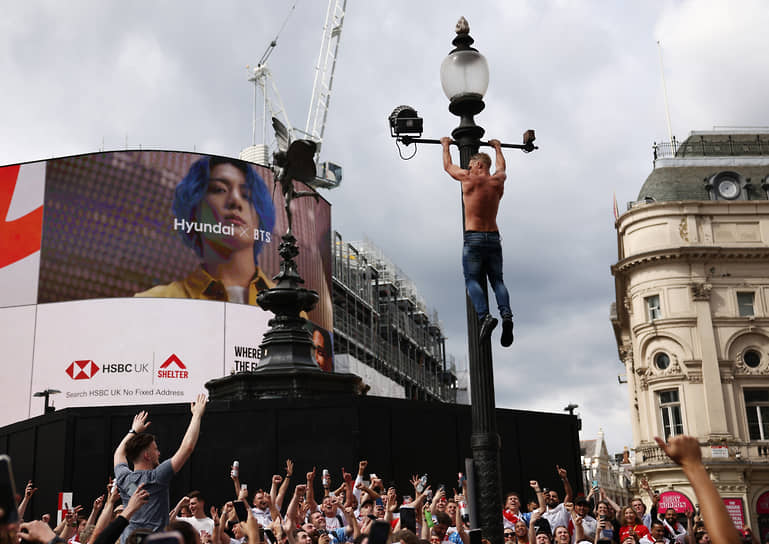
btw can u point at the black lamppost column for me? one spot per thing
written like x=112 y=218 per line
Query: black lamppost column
x=466 y=65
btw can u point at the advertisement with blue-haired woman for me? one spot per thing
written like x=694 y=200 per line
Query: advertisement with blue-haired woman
x=224 y=213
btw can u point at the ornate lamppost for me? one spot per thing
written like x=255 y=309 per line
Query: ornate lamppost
x=465 y=78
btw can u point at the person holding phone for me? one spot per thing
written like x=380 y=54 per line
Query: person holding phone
x=140 y=448
x=606 y=531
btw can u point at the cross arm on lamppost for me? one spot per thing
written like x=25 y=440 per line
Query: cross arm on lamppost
x=464 y=78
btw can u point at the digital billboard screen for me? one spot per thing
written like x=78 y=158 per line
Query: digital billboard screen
x=131 y=277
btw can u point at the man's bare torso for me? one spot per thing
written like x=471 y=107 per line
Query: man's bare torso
x=481 y=194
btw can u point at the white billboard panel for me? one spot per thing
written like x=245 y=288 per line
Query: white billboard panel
x=128 y=351
x=17 y=329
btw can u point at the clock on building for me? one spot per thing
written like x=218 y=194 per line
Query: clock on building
x=728 y=188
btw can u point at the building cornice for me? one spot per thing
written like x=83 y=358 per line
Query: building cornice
x=667 y=208
x=688 y=254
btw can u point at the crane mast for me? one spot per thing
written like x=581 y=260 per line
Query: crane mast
x=324 y=71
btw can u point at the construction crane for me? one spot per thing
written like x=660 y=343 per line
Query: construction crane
x=330 y=174
x=272 y=104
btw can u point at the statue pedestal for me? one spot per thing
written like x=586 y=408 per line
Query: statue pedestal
x=288 y=368
x=295 y=383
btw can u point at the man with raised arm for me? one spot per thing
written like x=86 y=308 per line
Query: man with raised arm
x=140 y=449
x=685 y=452
x=555 y=512
x=482 y=252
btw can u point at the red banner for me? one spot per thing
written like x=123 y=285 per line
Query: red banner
x=736 y=512
x=675 y=500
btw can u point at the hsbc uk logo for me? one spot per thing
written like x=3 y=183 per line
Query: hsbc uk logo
x=173 y=367
x=82 y=370
x=85 y=369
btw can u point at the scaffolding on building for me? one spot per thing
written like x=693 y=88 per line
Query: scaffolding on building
x=380 y=319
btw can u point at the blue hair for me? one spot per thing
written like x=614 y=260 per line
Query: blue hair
x=192 y=189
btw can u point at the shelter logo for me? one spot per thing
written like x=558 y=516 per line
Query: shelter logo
x=82 y=370
x=165 y=370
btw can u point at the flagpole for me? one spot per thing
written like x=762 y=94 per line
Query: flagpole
x=665 y=95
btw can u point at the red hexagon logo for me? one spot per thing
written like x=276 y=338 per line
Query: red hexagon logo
x=82 y=370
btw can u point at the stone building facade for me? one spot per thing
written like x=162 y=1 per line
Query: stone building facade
x=691 y=316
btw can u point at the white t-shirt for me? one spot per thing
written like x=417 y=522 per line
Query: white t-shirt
x=262 y=516
x=557 y=516
x=200 y=524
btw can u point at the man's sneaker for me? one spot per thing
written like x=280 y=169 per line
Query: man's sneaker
x=507 y=331
x=487 y=325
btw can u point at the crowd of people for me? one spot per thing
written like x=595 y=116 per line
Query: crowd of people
x=136 y=507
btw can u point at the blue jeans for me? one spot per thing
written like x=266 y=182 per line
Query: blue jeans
x=482 y=258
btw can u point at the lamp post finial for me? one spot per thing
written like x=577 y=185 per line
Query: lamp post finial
x=463 y=27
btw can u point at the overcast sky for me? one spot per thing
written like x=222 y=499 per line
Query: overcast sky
x=585 y=75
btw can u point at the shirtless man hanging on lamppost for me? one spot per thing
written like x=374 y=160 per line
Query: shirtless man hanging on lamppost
x=482 y=251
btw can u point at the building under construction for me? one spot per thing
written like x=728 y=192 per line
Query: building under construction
x=380 y=322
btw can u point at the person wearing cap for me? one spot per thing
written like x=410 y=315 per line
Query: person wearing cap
x=589 y=524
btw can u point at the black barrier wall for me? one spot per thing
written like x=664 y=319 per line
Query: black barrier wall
x=71 y=450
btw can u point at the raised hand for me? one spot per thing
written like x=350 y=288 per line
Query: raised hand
x=392 y=499
x=137 y=500
x=289 y=468
x=684 y=450
x=36 y=531
x=140 y=422
x=29 y=490
x=199 y=406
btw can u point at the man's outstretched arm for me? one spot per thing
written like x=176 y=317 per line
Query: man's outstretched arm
x=191 y=436
x=454 y=171
x=685 y=451
x=500 y=166
x=139 y=425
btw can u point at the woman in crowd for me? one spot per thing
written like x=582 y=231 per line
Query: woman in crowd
x=631 y=525
x=606 y=531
